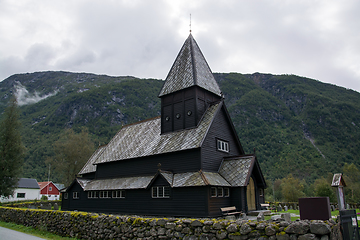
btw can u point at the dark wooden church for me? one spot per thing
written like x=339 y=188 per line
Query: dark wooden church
x=187 y=162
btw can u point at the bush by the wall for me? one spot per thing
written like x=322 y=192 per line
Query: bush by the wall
x=84 y=225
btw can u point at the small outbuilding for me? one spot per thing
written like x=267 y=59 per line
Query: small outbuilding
x=187 y=162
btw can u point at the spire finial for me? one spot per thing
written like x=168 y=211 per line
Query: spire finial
x=190 y=23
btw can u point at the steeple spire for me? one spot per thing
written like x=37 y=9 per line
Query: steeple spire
x=190 y=69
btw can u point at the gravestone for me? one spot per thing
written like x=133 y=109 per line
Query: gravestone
x=260 y=217
x=332 y=208
x=286 y=208
x=56 y=206
x=291 y=207
x=279 y=209
x=315 y=208
x=286 y=217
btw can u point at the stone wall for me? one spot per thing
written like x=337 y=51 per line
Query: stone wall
x=84 y=225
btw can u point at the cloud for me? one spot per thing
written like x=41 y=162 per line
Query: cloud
x=23 y=96
x=142 y=38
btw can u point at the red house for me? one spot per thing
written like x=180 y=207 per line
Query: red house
x=50 y=190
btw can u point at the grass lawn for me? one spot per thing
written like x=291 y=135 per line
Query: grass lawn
x=32 y=231
x=296 y=212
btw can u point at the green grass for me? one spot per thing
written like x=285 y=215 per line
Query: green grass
x=32 y=231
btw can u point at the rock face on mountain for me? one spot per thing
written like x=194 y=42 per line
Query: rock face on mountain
x=298 y=125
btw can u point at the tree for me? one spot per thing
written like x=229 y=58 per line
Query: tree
x=323 y=189
x=72 y=151
x=11 y=149
x=352 y=179
x=292 y=189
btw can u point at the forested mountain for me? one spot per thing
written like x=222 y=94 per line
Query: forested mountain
x=296 y=125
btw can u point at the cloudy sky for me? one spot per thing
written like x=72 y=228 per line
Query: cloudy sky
x=319 y=39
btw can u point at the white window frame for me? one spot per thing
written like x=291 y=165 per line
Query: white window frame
x=105 y=194
x=93 y=194
x=160 y=192
x=220 y=192
x=222 y=145
x=226 y=192
x=213 y=192
x=75 y=195
x=50 y=188
x=118 y=194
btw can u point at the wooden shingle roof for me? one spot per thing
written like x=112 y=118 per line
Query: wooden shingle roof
x=145 y=139
x=190 y=69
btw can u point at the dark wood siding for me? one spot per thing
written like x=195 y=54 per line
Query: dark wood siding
x=194 y=99
x=190 y=116
x=88 y=175
x=178 y=116
x=215 y=203
x=220 y=129
x=187 y=202
x=184 y=161
x=166 y=125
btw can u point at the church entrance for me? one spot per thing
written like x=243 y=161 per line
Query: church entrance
x=250 y=195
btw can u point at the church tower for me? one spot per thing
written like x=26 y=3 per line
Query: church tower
x=188 y=89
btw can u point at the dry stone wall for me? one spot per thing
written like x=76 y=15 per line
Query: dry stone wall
x=84 y=225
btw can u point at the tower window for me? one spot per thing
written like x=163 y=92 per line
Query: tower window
x=222 y=146
x=178 y=115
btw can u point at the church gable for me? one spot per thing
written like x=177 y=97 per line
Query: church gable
x=221 y=141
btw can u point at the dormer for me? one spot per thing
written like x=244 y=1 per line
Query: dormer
x=188 y=89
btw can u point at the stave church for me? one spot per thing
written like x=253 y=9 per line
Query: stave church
x=188 y=162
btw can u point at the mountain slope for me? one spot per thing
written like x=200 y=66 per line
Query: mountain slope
x=295 y=124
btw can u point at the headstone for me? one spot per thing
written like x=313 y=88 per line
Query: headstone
x=260 y=217
x=56 y=206
x=332 y=208
x=315 y=208
x=286 y=208
x=291 y=207
x=347 y=206
x=279 y=209
x=286 y=216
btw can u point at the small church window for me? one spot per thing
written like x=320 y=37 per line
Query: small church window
x=178 y=115
x=220 y=192
x=66 y=195
x=105 y=194
x=226 y=192
x=160 y=192
x=75 y=195
x=222 y=146
x=213 y=192
x=118 y=194
x=189 y=113
x=93 y=194
x=167 y=118
x=50 y=188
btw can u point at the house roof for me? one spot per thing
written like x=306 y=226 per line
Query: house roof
x=28 y=183
x=190 y=69
x=42 y=185
x=237 y=170
x=89 y=167
x=144 y=138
